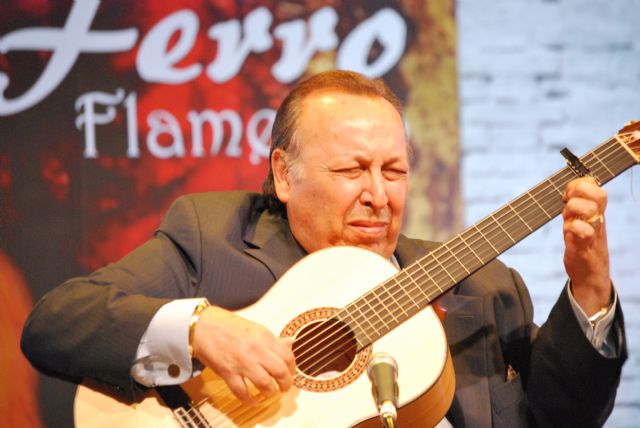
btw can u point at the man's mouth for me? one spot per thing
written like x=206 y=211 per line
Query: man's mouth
x=371 y=228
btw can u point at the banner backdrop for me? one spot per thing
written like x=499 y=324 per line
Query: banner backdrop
x=109 y=111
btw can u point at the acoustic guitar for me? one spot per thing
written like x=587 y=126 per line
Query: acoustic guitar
x=361 y=304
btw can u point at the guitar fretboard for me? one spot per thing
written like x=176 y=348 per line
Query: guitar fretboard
x=412 y=289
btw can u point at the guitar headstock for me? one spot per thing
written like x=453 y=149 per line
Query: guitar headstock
x=630 y=136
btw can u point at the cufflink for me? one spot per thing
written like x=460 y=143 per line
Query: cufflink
x=173 y=370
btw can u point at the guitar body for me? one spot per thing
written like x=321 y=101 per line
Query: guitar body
x=308 y=293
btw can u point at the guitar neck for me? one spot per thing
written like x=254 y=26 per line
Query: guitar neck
x=412 y=289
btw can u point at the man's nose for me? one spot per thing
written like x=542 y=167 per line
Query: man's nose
x=374 y=191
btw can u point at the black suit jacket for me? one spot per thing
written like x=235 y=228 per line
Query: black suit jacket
x=228 y=248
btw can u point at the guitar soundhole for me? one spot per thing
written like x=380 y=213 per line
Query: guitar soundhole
x=324 y=349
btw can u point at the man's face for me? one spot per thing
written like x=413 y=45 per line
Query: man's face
x=348 y=185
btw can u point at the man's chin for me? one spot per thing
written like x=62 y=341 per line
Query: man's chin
x=379 y=245
x=378 y=248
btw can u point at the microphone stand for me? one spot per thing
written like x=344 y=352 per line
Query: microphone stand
x=388 y=422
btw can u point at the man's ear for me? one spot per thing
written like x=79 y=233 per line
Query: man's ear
x=280 y=175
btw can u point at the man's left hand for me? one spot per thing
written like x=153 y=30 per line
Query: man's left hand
x=586 y=256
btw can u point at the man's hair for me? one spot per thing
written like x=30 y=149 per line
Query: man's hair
x=285 y=125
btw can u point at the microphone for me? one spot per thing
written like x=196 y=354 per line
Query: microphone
x=383 y=374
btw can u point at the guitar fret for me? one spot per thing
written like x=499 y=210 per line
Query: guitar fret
x=464 y=241
x=457 y=259
x=379 y=322
x=429 y=275
x=394 y=300
x=560 y=192
x=444 y=269
x=408 y=294
x=384 y=305
x=485 y=238
x=549 y=201
x=467 y=255
x=595 y=155
x=522 y=220
x=416 y=285
x=430 y=279
x=352 y=319
x=538 y=204
x=624 y=158
x=503 y=229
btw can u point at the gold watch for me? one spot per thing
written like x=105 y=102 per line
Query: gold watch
x=193 y=321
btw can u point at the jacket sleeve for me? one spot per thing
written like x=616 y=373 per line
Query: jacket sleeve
x=91 y=326
x=570 y=383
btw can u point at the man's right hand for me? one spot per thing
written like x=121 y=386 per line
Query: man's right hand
x=239 y=350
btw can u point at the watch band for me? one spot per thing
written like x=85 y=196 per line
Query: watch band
x=194 y=320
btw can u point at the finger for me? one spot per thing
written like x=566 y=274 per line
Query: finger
x=579 y=213
x=578 y=230
x=262 y=380
x=284 y=350
x=279 y=371
x=288 y=340
x=582 y=181
x=586 y=188
x=281 y=348
x=238 y=387
x=580 y=208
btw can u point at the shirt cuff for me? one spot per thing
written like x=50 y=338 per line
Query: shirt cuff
x=600 y=335
x=163 y=356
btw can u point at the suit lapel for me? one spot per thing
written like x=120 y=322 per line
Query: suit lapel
x=271 y=242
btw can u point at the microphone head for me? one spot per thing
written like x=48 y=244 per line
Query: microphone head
x=383 y=374
x=380 y=358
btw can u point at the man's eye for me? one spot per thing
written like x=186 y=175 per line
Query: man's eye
x=350 y=172
x=394 y=174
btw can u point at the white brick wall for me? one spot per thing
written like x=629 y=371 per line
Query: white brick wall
x=536 y=76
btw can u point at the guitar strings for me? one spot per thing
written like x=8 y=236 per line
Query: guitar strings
x=399 y=287
x=211 y=416
x=565 y=176
x=234 y=413
x=488 y=230
x=230 y=411
x=447 y=249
